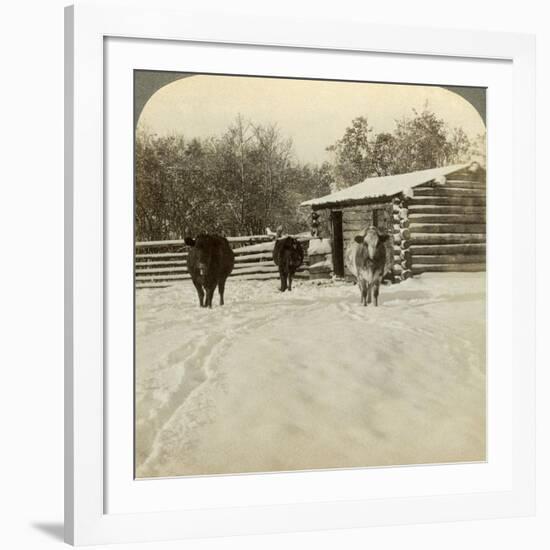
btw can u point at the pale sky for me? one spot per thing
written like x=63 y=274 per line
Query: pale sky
x=313 y=113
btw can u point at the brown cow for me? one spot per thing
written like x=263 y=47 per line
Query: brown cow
x=366 y=259
x=209 y=263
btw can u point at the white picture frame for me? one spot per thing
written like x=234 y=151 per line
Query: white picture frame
x=87 y=426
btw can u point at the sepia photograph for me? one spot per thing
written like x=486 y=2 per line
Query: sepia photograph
x=310 y=274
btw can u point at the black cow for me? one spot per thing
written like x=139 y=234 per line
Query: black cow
x=288 y=255
x=209 y=263
x=366 y=259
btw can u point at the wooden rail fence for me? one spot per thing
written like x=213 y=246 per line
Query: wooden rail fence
x=162 y=263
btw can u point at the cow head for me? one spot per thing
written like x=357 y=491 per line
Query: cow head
x=371 y=239
x=290 y=243
x=204 y=250
x=297 y=254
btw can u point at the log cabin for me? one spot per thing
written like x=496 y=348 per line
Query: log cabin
x=436 y=219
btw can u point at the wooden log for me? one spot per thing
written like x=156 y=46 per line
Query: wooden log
x=163 y=277
x=404 y=223
x=467 y=174
x=402 y=272
x=400 y=213
x=445 y=209
x=447 y=238
x=255 y=268
x=147 y=263
x=438 y=268
x=397 y=250
x=477 y=186
x=454 y=184
x=449 y=201
x=259 y=256
x=148 y=244
x=401 y=233
x=254 y=264
x=435 y=249
x=447 y=192
x=405 y=254
x=446 y=228
x=448 y=259
x=163 y=255
x=448 y=218
x=254 y=248
x=250 y=239
x=151 y=270
x=399 y=240
x=465 y=184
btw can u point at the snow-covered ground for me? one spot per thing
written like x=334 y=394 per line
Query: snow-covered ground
x=310 y=379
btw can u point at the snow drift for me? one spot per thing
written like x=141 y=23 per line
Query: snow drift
x=310 y=379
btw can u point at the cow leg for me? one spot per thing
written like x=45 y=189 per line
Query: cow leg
x=369 y=293
x=221 y=288
x=209 y=295
x=283 y=280
x=376 y=292
x=289 y=281
x=363 y=290
x=200 y=292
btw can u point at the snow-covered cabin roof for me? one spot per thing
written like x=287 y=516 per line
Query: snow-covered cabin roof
x=385 y=186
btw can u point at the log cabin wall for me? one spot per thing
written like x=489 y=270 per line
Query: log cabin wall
x=445 y=224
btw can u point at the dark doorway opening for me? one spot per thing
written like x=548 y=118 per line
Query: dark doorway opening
x=337 y=244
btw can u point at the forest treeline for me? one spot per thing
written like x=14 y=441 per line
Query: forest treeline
x=249 y=178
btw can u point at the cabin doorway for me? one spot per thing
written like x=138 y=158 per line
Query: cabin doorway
x=337 y=243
